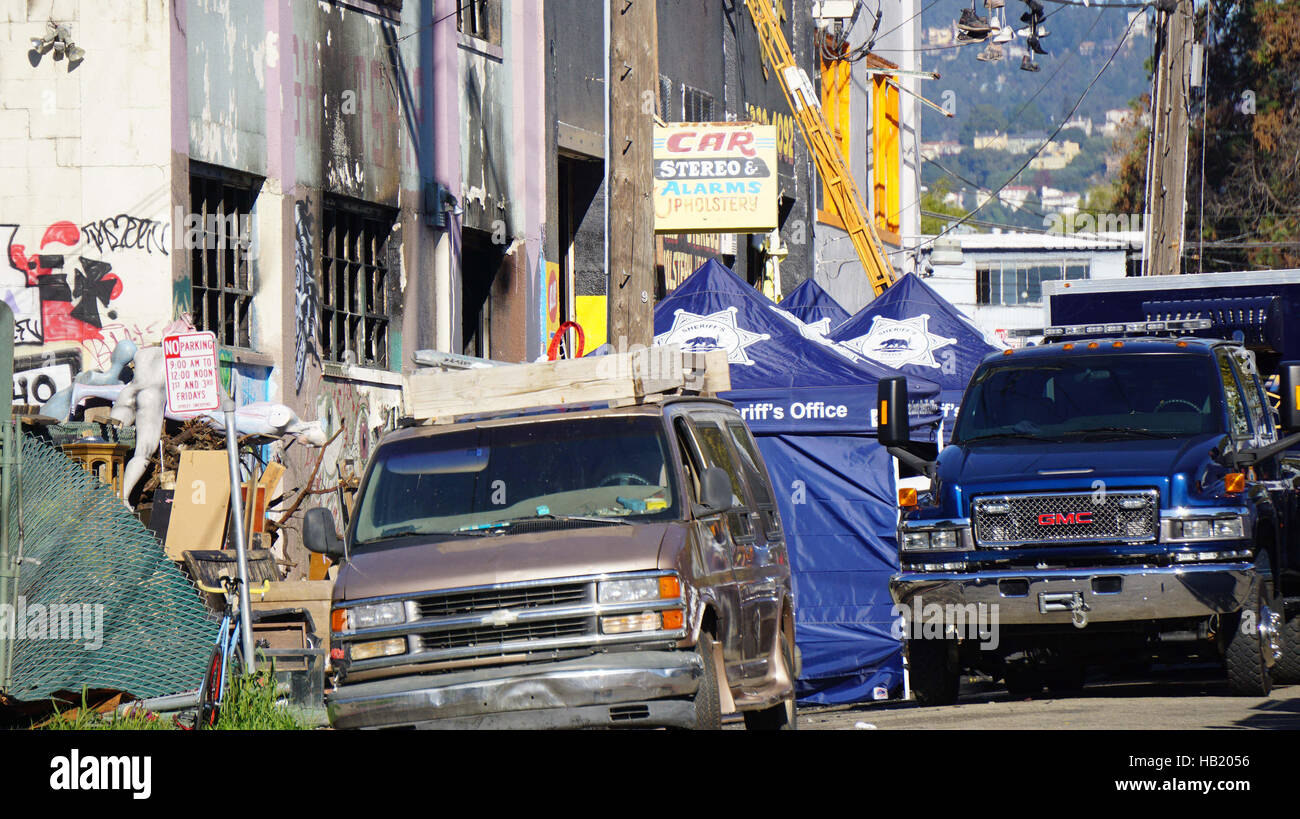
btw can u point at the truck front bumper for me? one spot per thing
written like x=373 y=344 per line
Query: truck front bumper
x=1051 y=596
x=623 y=688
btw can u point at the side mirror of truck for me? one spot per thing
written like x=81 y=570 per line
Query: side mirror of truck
x=318 y=534
x=715 y=491
x=891 y=403
x=1289 y=391
x=892 y=427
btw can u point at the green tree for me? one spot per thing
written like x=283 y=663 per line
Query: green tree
x=932 y=203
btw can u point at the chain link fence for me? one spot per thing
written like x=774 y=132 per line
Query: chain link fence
x=97 y=604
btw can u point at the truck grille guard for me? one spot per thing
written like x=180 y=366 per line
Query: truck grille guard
x=1057 y=518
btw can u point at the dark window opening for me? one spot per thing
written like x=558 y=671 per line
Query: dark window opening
x=355 y=274
x=480 y=19
x=481 y=259
x=219 y=232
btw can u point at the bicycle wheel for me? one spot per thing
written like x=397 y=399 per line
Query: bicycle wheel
x=210 y=692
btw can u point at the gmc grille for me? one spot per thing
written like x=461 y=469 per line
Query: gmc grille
x=1080 y=517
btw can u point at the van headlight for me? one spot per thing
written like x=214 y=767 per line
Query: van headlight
x=377 y=614
x=637 y=589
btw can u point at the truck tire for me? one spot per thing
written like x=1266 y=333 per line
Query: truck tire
x=1287 y=669
x=1023 y=683
x=1066 y=681
x=783 y=716
x=1250 y=671
x=933 y=680
x=708 y=706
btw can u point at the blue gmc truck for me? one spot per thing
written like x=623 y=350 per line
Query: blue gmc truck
x=1119 y=494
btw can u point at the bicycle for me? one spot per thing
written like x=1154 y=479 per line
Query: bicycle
x=227 y=658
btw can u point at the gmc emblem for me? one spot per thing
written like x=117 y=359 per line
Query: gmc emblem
x=1058 y=519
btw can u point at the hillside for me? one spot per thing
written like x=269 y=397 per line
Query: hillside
x=989 y=97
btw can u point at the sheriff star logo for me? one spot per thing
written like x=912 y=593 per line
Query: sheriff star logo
x=897 y=342
x=716 y=331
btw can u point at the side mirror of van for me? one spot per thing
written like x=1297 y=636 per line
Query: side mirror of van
x=318 y=534
x=715 y=491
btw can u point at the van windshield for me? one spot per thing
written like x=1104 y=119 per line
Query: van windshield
x=1155 y=395
x=599 y=471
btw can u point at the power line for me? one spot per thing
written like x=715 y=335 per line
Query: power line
x=1046 y=142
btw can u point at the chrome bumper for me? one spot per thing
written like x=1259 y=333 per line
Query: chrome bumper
x=595 y=690
x=1109 y=595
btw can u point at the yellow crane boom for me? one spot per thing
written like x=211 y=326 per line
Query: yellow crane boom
x=832 y=166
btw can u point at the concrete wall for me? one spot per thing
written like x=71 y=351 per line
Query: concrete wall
x=85 y=211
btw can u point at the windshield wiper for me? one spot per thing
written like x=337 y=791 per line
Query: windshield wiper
x=995 y=435
x=588 y=518
x=1139 y=432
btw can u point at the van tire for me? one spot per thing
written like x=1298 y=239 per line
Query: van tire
x=708 y=705
x=784 y=716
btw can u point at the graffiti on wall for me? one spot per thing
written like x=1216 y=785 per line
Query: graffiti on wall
x=38 y=377
x=55 y=293
x=306 y=301
x=99 y=351
x=126 y=232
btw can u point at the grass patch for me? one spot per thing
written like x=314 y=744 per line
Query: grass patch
x=249 y=705
x=104 y=718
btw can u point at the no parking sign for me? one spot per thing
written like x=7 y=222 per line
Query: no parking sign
x=193 y=382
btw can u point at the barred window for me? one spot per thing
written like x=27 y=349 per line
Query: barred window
x=354 y=280
x=697 y=105
x=219 y=234
x=480 y=19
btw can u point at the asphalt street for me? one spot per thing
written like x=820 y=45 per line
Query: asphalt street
x=1176 y=699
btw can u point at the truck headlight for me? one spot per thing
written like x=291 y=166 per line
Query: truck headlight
x=947 y=538
x=636 y=589
x=1190 y=529
x=377 y=614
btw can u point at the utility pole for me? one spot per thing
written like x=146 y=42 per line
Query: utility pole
x=1167 y=163
x=633 y=89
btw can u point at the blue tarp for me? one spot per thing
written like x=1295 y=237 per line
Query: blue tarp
x=785 y=378
x=811 y=304
x=914 y=329
x=834 y=482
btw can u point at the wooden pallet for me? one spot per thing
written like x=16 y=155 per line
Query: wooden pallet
x=621 y=378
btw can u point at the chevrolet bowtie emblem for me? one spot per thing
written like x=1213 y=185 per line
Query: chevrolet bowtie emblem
x=499 y=618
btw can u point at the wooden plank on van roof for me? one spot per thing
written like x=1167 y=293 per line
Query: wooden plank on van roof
x=636 y=376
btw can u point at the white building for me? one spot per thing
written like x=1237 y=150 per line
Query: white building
x=999 y=283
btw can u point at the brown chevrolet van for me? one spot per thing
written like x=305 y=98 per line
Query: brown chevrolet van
x=563 y=568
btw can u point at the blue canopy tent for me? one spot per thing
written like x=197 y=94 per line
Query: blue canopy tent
x=914 y=329
x=810 y=406
x=811 y=304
